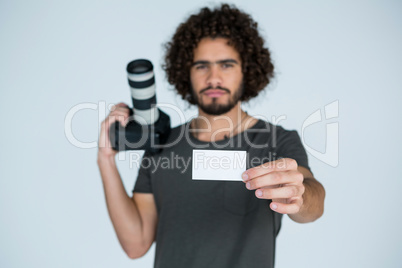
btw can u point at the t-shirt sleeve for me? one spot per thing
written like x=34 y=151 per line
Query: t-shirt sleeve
x=144 y=183
x=290 y=146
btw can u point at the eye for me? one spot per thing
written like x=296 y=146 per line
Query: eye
x=227 y=65
x=200 y=67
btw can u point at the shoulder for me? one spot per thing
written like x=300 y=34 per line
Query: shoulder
x=173 y=142
x=276 y=130
x=177 y=132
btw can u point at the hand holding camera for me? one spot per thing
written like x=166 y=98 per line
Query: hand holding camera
x=144 y=127
x=119 y=113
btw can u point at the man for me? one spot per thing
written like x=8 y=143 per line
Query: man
x=216 y=60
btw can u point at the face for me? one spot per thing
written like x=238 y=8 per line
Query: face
x=216 y=76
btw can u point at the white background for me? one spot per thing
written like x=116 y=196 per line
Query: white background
x=57 y=54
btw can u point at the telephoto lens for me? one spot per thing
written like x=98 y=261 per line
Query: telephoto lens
x=149 y=127
x=141 y=79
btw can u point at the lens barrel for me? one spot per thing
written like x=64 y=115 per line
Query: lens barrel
x=150 y=127
x=141 y=79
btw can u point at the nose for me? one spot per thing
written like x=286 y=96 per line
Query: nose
x=214 y=76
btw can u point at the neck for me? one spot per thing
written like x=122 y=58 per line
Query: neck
x=217 y=127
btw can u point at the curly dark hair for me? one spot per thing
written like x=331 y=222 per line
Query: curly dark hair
x=228 y=22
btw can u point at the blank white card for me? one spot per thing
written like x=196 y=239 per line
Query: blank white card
x=220 y=165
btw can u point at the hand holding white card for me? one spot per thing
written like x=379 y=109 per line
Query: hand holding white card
x=218 y=165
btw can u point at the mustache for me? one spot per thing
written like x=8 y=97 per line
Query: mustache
x=218 y=87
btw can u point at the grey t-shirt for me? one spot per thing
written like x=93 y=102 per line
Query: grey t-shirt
x=215 y=223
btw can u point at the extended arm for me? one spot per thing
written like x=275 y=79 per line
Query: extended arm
x=293 y=189
x=313 y=199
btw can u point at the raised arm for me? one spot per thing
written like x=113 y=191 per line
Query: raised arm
x=134 y=218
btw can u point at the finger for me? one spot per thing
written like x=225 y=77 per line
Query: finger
x=283 y=208
x=275 y=178
x=118 y=105
x=121 y=110
x=289 y=191
x=122 y=118
x=104 y=141
x=121 y=104
x=119 y=113
x=278 y=165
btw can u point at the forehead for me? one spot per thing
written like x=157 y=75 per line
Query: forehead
x=213 y=49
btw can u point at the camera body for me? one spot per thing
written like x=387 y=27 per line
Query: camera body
x=140 y=137
x=149 y=127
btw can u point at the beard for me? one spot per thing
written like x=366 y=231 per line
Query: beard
x=216 y=108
